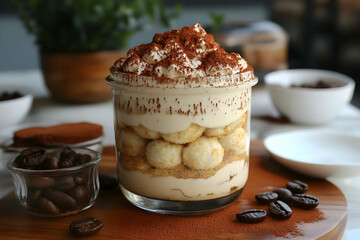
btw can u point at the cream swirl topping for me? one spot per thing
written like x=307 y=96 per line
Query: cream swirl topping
x=188 y=52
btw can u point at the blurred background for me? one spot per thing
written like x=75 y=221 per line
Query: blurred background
x=270 y=34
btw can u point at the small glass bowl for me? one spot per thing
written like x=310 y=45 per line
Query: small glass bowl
x=57 y=192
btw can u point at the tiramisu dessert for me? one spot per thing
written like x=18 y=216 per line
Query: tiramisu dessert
x=182 y=107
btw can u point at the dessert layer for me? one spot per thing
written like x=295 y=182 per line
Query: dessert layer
x=139 y=163
x=227 y=179
x=168 y=113
x=178 y=154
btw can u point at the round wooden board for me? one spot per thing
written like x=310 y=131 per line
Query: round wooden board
x=123 y=221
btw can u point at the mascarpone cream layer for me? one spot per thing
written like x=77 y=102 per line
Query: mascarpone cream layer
x=167 y=112
x=231 y=177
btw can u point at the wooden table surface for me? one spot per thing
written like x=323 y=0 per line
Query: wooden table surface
x=124 y=221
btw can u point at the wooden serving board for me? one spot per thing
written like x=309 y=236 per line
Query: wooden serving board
x=124 y=221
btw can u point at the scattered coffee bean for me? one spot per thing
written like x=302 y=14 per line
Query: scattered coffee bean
x=251 y=216
x=61 y=199
x=47 y=206
x=297 y=186
x=266 y=197
x=280 y=210
x=50 y=162
x=85 y=226
x=284 y=194
x=107 y=181
x=30 y=157
x=304 y=201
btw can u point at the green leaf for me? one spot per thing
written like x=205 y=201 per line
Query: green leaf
x=89 y=25
x=216 y=20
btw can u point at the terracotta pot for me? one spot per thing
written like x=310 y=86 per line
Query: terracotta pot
x=79 y=78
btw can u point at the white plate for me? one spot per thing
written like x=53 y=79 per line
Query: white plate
x=316 y=153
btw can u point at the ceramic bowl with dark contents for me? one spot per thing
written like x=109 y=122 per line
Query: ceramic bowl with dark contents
x=14 y=106
x=55 y=183
x=309 y=96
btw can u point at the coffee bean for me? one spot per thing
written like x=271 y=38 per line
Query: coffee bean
x=297 y=186
x=33 y=196
x=266 y=197
x=31 y=157
x=85 y=226
x=50 y=162
x=67 y=158
x=41 y=182
x=35 y=158
x=64 y=151
x=68 y=154
x=78 y=179
x=47 y=206
x=61 y=199
x=280 y=210
x=304 y=201
x=19 y=162
x=284 y=194
x=65 y=183
x=80 y=194
x=107 y=181
x=251 y=216
x=65 y=163
x=76 y=163
x=83 y=158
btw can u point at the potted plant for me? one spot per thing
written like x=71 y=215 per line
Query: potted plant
x=80 y=39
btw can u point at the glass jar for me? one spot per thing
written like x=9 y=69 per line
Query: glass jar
x=182 y=144
x=57 y=192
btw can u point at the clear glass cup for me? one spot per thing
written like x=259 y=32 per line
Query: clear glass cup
x=57 y=192
x=182 y=145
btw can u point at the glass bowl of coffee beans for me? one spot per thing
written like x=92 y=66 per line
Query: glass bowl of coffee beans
x=55 y=183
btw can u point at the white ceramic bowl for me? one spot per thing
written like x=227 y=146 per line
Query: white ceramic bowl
x=309 y=106
x=14 y=110
x=318 y=153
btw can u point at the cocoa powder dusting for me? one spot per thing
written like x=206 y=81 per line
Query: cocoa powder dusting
x=57 y=135
x=184 y=51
